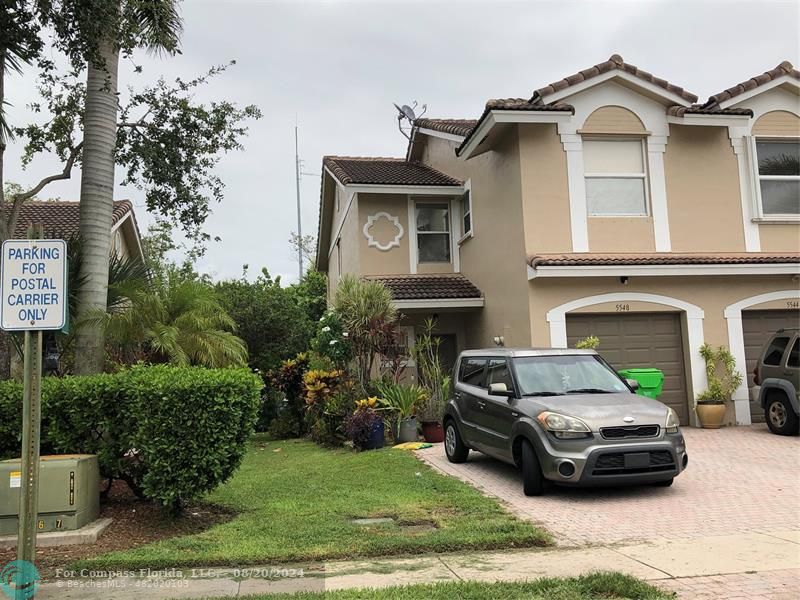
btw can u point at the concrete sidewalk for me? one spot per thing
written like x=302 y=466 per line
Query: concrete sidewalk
x=752 y=566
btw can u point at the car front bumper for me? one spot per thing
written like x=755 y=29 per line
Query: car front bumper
x=597 y=461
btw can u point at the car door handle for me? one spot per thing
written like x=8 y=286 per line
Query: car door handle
x=482 y=404
x=457 y=395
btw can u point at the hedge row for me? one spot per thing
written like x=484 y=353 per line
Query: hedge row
x=171 y=433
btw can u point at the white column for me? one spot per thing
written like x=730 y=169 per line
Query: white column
x=558 y=331
x=752 y=241
x=656 y=145
x=695 y=339
x=741 y=397
x=573 y=146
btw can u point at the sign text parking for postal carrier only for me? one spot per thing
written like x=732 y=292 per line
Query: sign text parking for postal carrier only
x=33 y=284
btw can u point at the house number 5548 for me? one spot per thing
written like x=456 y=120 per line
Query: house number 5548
x=623 y=307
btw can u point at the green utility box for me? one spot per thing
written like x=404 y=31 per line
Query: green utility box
x=651 y=381
x=69 y=493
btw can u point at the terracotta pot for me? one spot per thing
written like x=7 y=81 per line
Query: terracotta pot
x=432 y=432
x=711 y=415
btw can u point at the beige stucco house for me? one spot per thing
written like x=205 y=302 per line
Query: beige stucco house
x=610 y=203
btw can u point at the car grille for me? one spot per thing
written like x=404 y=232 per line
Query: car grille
x=614 y=463
x=632 y=431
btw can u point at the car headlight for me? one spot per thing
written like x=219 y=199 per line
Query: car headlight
x=563 y=426
x=672 y=423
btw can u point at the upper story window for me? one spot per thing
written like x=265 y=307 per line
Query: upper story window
x=433 y=232
x=616 y=179
x=779 y=176
x=466 y=213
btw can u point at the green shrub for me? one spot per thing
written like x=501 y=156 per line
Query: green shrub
x=172 y=433
x=10 y=418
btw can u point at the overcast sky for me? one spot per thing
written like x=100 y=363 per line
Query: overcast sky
x=338 y=66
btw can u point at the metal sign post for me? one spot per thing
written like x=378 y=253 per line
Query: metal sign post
x=33 y=298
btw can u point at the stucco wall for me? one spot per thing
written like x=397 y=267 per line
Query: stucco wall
x=494 y=258
x=703 y=193
x=382 y=262
x=545 y=191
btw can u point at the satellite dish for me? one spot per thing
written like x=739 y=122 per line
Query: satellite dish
x=407 y=113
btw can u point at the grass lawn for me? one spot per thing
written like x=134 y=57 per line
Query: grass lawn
x=608 y=586
x=296 y=502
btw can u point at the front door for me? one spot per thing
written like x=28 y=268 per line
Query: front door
x=498 y=411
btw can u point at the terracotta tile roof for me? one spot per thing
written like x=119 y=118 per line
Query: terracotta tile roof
x=429 y=287
x=384 y=171
x=614 y=62
x=460 y=127
x=514 y=104
x=59 y=217
x=785 y=68
x=698 y=109
x=662 y=258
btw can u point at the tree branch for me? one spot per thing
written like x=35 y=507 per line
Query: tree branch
x=65 y=174
x=19 y=199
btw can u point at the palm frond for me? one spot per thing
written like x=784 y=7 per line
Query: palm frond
x=159 y=23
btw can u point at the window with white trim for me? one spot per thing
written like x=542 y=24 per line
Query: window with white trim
x=616 y=177
x=466 y=213
x=779 y=176
x=433 y=232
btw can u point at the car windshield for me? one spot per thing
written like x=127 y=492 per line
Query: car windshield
x=566 y=374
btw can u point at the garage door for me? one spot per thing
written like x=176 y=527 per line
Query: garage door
x=758 y=326
x=639 y=340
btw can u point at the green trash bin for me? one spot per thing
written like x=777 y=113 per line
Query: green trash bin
x=651 y=381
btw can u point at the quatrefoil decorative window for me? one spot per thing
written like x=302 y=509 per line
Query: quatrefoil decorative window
x=372 y=242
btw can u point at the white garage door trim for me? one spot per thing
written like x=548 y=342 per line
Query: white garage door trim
x=557 y=317
x=733 y=316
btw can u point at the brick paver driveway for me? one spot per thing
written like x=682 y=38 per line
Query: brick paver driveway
x=739 y=479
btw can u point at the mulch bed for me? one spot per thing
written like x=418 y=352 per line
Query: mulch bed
x=135 y=522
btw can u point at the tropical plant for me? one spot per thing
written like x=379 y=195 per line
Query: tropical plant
x=723 y=378
x=369 y=317
x=360 y=425
x=589 y=343
x=401 y=399
x=284 y=399
x=431 y=375
x=182 y=323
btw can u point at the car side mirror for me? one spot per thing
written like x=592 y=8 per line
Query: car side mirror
x=633 y=384
x=500 y=389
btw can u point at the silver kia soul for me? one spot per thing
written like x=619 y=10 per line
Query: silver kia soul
x=560 y=415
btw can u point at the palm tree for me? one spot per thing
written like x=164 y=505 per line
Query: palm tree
x=155 y=25
x=19 y=44
x=181 y=322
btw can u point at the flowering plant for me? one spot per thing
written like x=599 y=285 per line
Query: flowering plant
x=332 y=341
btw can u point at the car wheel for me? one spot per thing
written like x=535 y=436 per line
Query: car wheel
x=666 y=483
x=454 y=447
x=780 y=415
x=532 y=480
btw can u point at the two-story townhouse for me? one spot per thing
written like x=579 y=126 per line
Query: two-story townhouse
x=609 y=203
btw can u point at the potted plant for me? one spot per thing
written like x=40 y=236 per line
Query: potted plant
x=723 y=380
x=432 y=409
x=404 y=401
x=365 y=426
x=434 y=380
